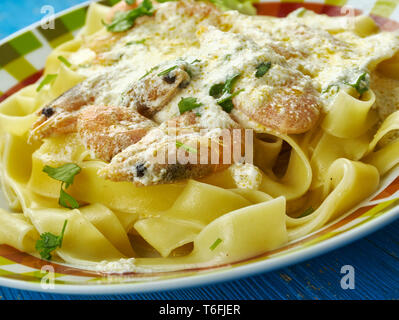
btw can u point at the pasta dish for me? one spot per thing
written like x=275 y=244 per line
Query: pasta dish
x=176 y=134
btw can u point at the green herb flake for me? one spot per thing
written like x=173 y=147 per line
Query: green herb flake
x=216 y=90
x=64 y=61
x=149 y=71
x=330 y=87
x=47 y=80
x=227 y=57
x=66 y=175
x=188 y=104
x=185 y=147
x=307 y=212
x=361 y=84
x=142 y=41
x=123 y=21
x=230 y=82
x=215 y=244
x=262 y=69
x=300 y=12
x=66 y=200
x=166 y=72
x=227 y=105
x=219 y=89
x=48 y=242
x=227 y=102
x=222 y=92
x=130 y=2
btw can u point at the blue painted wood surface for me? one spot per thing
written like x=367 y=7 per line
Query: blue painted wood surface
x=375 y=258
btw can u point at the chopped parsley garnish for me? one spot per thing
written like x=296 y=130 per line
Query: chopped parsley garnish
x=165 y=72
x=216 y=90
x=67 y=201
x=149 y=71
x=48 y=242
x=142 y=41
x=222 y=92
x=262 y=69
x=47 y=80
x=230 y=82
x=361 y=84
x=188 y=70
x=330 y=87
x=300 y=12
x=307 y=212
x=185 y=147
x=227 y=102
x=215 y=244
x=64 y=61
x=66 y=175
x=188 y=104
x=130 y=2
x=123 y=21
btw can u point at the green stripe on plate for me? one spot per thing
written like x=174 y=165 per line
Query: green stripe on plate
x=20 y=68
x=7 y=54
x=60 y=40
x=75 y=19
x=109 y=2
x=335 y=2
x=4 y=261
x=52 y=34
x=25 y=43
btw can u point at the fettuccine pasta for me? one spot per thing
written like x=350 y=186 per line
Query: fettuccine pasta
x=319 y=96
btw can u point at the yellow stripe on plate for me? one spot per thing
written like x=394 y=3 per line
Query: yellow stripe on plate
x=384 y=8
x=339 y=3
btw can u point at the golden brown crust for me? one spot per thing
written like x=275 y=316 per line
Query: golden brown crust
x=289 y=111
x=150 y=94
x=60 y=116
x=174 y=154
x=108 y=130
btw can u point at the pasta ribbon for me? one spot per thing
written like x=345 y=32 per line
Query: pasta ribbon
x=347 y=182
x=17 y=232
x=302 y=181
x=349 y=117
x=82 y=243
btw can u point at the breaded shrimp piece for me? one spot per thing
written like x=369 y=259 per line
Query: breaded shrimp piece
x=145 y=96
x=106 y=131
x=170 y=154
x=60 y=115
x=150 y=94
x=279 y=97
x=287 y=110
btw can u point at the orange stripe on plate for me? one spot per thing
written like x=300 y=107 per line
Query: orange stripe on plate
x=32 y=79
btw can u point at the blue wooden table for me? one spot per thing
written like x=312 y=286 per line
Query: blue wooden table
x=375 y=258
